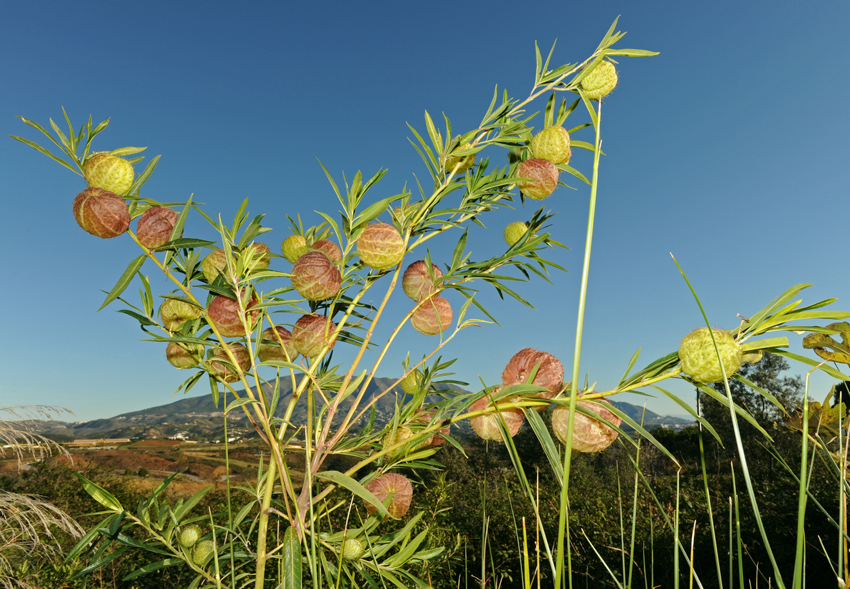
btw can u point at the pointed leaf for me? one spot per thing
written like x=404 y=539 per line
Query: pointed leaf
x=124 y=280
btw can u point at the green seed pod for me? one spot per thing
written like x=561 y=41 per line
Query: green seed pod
x=101 y=213
x=174 y=313
x=753 y=357
x=543 y=176
x=352 y=549
x=410 y=383
x=380 y=246
x=110 y=172
x=553 y=144
x=203 y=552
x=261 y=255
x=294 y=247
x=189 y=536
x=463 y=162
x=214 y=264
x=514 y=232
x=589 y=434
x=699 y=359
x=601 y=81
x=181 y=355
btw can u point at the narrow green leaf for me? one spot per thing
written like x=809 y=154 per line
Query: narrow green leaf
x=99 y=563
x=291 y=560
x=47 y=153
x=143 y=177
x=373 y=210
x=154 y=566
x=124 y=280
x=349 y=483
x=86 y=540
x=100 y=494
x=122 y=151
x=631 y=52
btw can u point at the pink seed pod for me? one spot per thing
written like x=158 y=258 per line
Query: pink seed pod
x=315 y=277
x=487 y=425
x=329 y=248
x=101 y=213
x=273 y=350
x=174 y=313
x=395 y=485
x=543 y=175
x=226 y=373
x=417 y=282
x=380 y=246
x=224 y=313
x=589 y=434
x=550 y=375
x=433 y=317
x=155 y=227
x=424 y=418
x=311 y=333
x=180 y=355
x=553 y=144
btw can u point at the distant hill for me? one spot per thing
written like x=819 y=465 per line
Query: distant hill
x=200 y=419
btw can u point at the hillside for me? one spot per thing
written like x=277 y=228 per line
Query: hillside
x=200 y=419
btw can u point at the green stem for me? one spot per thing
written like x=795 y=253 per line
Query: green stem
x=262 y=531
x=563 y=516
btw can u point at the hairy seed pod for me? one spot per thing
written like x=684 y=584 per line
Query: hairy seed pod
x=270 y=349
x=189 y=536
x=380 y=246
x=553 y=144
x=543 y=176
x=600 y=82
x=224 y=372
x=589 y=434
x=315 y=277
x=174 y=313
x=753 y=357
x=293 y=247
x=514 y=232
x=418 y=283
x=203 y=552
x=214 y=264
x=463 y=162
x=110 y=172
x=433 y=317
x=101 y=213
x=261 y=255
x=311 y=333
x=395 y=485
x=225 y=315
x=487 y=425
x=181 y=355
x=329 y=248
x=699 y=359
x=391 y=438
x=352 y=549
x=410 y=383
x=155 y=227
x=550 y=374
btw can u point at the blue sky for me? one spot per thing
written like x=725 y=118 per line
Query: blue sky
x=728 y=150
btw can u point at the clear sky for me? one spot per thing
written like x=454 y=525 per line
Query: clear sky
x=729 y=150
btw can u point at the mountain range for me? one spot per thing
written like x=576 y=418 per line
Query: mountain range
x=199 y=418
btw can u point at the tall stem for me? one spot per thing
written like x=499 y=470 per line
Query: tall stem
x=563 y=517
x=262 y=531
